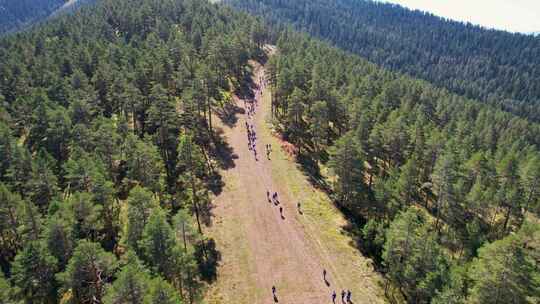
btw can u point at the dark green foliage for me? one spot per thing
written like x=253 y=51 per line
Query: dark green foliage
x=131 y=284
x=493 y=66
x=412 y=257
x=404 y=154
x=88 y=272
x=5 y=290
x=33 y=274
x=106 y=135
x=18 y=14
x=506 y=271
x=161 y=292
x=348 y=165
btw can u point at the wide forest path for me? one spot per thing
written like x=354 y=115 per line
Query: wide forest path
x=260 y=247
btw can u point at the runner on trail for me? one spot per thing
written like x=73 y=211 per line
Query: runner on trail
x=334 y=297
x=324 y=270
x=281 y=211
x=349 y=294
x=273 y=289
x=343 y=296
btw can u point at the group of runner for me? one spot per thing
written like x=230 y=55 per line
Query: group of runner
x=274 y=199
x=252 y=139
x=251 y=106
x=345 y=295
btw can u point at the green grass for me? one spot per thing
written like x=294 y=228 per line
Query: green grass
x=321 y=220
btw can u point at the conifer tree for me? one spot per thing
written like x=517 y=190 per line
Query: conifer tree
x=88 y=272
x=33 y=274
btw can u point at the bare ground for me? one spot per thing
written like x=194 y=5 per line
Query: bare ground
x=260 y=248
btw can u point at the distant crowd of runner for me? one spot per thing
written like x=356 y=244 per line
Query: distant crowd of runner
x=272 y=196
x=346 y=295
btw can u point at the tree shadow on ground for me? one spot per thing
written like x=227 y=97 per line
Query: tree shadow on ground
x=246 y=88
x=208 y=258
x=214 y=182
x=310 y=167
x=221 y=151
x=228 y=114
x=205 y=212
x=308 y=162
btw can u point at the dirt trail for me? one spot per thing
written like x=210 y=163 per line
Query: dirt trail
x=259 y=247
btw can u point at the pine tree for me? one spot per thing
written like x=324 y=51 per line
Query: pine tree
x=413 y=258
x=445 y=179
x=161 y=292
x=319 y=128
x=43 y=184
x=294 y=120
x=58 y=236
x=131 y=285
x=509 y=195
x=163 y=120
x=347 y=164
x=144 y=164
x=158 y=244
x=88 y=272
x=407 y=185
x=84 y=216
x=191 y=168
x=11 y=239
x=505 y=272
x=530 y=183
x=33 y=274
x=140 y=205
x=5 y=290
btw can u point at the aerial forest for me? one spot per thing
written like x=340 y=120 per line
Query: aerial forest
x=108 y=153
x=443 y=190
x=496 y=67
x=424 y=134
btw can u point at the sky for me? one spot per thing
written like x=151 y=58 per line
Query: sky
x=509 y=15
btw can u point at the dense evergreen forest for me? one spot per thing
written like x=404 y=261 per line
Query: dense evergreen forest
x=474 y=62
x=443 y=190
x=16 y=14
x=108 y=151
x=109 y=156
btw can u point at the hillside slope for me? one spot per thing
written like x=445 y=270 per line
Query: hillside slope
x=17 y=14
x=107 y=150
x=487 y=65
x=261 y=247
x=440 y=190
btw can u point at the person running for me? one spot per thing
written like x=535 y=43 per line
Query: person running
x=334 y=297
x=349 y=294
x=324 y=270
x=273 y=289
x=281 y=211
x=343 y=296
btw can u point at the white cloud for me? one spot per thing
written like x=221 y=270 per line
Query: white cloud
x=510 y=15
